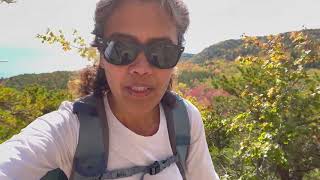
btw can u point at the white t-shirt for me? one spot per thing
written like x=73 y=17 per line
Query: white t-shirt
x=50 y=142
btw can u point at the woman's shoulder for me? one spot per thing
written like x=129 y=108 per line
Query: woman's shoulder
x=46 y=143
x=59 y=127
x=61 y=119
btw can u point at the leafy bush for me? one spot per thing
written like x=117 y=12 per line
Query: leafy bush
x=19 y=108
x=275 y=132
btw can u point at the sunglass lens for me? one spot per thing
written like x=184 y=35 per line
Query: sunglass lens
x=119 y=53
x=164 y=56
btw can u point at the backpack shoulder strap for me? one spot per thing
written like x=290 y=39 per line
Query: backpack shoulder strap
x=179 y=131
x=90 y=157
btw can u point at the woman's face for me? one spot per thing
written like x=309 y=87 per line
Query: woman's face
x=139 y=86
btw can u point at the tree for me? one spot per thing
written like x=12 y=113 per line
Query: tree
x=276 y=131
x=20 y=107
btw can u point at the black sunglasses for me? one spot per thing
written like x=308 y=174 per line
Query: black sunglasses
x=162 y=54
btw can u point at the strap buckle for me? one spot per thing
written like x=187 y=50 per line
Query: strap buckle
x=154 y=168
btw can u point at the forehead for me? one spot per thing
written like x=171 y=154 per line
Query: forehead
x=142 y=20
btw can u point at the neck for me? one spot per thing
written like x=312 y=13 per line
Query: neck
x=143 y=123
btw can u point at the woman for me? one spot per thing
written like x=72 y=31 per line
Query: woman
x=140 y=43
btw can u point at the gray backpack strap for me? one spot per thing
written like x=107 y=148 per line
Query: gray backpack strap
x=179 y=131
x=90 y=157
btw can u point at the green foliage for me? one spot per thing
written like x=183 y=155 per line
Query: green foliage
x=276 y=130
x=191 y=74
x=268 y=126
x=189 y=77
x=19 y=108
x=194 y=74
x=313 y=175
x=55 y=80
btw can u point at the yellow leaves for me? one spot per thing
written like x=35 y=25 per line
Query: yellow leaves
x=271 y=92
x=92 y=53
x=248 y=61
x=51 y=38
x=278 y=56
x=272 y=47
x=78 y=43
x=66 y=46
x=250 y=41
x=244 y=93
x=88 y=52
x=276 y=50
x=298 y=37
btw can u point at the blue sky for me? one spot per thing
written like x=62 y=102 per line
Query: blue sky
x=212 y=21
x=22 y=60
x=17 y=56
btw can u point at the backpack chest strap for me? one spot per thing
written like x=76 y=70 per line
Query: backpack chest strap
x=152 y=169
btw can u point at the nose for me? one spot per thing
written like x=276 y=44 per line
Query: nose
x=140 y=65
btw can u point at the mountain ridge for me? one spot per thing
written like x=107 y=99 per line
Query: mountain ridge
x=232 y=48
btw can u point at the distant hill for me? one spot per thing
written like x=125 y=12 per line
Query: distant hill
x=186 y=56
x=231 y=49
x=54 y=80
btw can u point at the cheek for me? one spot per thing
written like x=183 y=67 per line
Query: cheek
x=113 y=75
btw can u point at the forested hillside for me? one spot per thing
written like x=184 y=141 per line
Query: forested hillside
x=233 y=48
x=55 y=80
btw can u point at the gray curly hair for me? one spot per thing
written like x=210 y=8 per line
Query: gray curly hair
x=93 y=79
x=176 y=9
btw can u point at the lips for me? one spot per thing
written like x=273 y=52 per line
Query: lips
x=139 y=90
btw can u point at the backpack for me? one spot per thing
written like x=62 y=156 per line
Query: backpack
x=92 y=149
